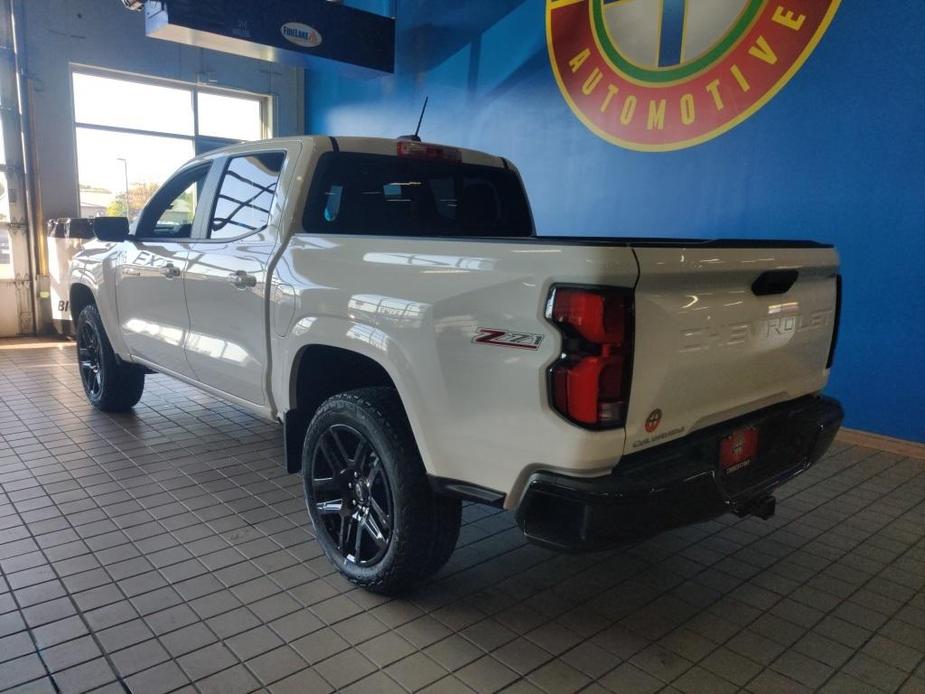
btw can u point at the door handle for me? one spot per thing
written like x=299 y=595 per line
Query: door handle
x=774 y=282
x=242 y=280
x=170 y=271
x=130 y=272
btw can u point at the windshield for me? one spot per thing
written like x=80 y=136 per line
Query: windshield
x=399 y=196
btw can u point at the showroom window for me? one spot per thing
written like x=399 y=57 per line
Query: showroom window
x=6 y=254
x=133 y=133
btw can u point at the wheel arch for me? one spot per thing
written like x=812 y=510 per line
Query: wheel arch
x=317 y=372
x=80 y=296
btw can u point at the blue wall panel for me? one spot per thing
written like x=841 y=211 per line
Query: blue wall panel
x=838 y=155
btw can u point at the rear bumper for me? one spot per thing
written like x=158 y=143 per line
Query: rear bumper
x=680 y=482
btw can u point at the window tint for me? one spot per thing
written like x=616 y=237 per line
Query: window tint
x=245 y=195
x=172 y=210
x=394 y=196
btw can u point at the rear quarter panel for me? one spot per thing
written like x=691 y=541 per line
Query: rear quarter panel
x=480 y=412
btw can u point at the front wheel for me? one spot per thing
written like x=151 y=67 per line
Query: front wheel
x=374 y=512
x=110 y=384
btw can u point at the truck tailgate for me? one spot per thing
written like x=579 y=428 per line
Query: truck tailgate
x=721 y=332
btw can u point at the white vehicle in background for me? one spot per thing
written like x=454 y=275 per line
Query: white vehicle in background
x=4 y=247
x=389 y=303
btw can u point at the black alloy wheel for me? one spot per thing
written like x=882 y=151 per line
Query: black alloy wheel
x=352 y=494
x=111 y=384
x=374 y=512
x=90 y=360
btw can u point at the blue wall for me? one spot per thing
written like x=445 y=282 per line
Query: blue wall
x=838 y=155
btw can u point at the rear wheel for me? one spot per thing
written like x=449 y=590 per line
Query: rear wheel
x=447 y=522
x=374 y=512
x=110 y=384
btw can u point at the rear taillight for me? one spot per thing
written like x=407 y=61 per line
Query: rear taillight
x=831 y=359
x=589 y=384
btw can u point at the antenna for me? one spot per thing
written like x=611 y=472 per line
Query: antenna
x=421 y=119
x=416 y=137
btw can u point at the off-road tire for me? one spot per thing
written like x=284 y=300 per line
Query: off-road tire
x=119 y=386
x=447 y=521
x=423 y=526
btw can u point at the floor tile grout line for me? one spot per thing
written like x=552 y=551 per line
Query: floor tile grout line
x=82 y=618
x=649 y=563
x=874 y=633
x=701 y=540
x=31 y=634
x=758 y=539
x=202 y=620
x=842 y=601
x=783 y=558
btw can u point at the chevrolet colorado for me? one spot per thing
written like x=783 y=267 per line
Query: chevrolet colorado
x=389 y=303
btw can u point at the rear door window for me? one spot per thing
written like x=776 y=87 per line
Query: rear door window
x=393 y=196
x=245 y=195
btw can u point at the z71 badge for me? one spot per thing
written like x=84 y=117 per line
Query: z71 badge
x=507 y=338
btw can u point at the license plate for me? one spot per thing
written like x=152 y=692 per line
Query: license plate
x=738 y=450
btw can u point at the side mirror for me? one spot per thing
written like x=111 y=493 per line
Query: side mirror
x=110 y=228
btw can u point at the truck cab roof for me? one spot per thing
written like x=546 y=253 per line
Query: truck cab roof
x=372 y=145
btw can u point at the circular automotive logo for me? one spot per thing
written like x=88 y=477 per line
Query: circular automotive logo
x=653 y=420
x=667 y=74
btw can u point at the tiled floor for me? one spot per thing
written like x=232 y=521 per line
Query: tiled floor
x=167 y=549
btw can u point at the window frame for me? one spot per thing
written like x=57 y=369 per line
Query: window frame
x=221 y=165
x=208 y=191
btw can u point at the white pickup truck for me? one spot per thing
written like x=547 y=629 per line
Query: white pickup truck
x=389 y=303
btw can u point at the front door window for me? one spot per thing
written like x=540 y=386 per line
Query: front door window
x=172 y=212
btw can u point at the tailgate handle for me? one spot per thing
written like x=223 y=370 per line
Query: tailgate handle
x=774 y=282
